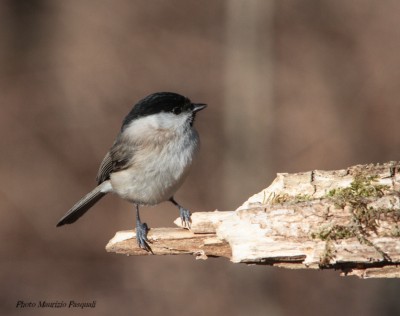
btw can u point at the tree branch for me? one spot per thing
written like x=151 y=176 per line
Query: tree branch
x=344 y=219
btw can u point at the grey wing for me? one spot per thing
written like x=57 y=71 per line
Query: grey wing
x=118 y=158
x=106 y=167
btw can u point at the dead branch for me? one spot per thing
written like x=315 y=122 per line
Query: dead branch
x=344 y=219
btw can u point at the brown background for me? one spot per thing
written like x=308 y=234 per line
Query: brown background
x=291 y=86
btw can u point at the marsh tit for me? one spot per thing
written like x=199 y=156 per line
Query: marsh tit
x=149 y=159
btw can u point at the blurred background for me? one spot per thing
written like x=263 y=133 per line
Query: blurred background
x=291 y=86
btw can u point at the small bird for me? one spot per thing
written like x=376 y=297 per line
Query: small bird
x=149 y=159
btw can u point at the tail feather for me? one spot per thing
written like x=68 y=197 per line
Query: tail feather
x=84 y=204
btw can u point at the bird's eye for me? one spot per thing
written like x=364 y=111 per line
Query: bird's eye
x=176 y=110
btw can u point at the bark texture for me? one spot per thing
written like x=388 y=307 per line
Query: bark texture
x=343 y=219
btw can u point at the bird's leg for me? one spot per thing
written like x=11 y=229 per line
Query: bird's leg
x=183 y=213
x=141 y=232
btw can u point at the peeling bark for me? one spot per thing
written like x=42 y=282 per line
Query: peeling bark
x=343 y=219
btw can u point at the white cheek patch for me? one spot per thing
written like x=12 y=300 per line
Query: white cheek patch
x=144 y=127
x=139 y=127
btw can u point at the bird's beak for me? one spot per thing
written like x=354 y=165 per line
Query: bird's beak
x=198 y=107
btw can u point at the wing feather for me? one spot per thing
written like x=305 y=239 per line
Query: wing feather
x=106 y=167
x=118 y=158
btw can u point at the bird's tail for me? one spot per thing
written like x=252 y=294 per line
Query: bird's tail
x=85 y=203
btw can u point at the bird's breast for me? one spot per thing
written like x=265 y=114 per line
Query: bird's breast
x=157 y=169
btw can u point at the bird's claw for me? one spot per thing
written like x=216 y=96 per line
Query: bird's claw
x=185 y=217
x=141 y=236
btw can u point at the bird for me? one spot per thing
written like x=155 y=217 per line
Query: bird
x=149 y=159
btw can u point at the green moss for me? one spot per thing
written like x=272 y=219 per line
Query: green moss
x=280 y=198
x=357 y=196
x=327 y=256
x=362 y=187
x=303 y=198
x=334 y=232
x=364 y=219
x=284 y=198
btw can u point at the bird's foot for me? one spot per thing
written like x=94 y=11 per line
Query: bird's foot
x=185 y=217
x=141 y=236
